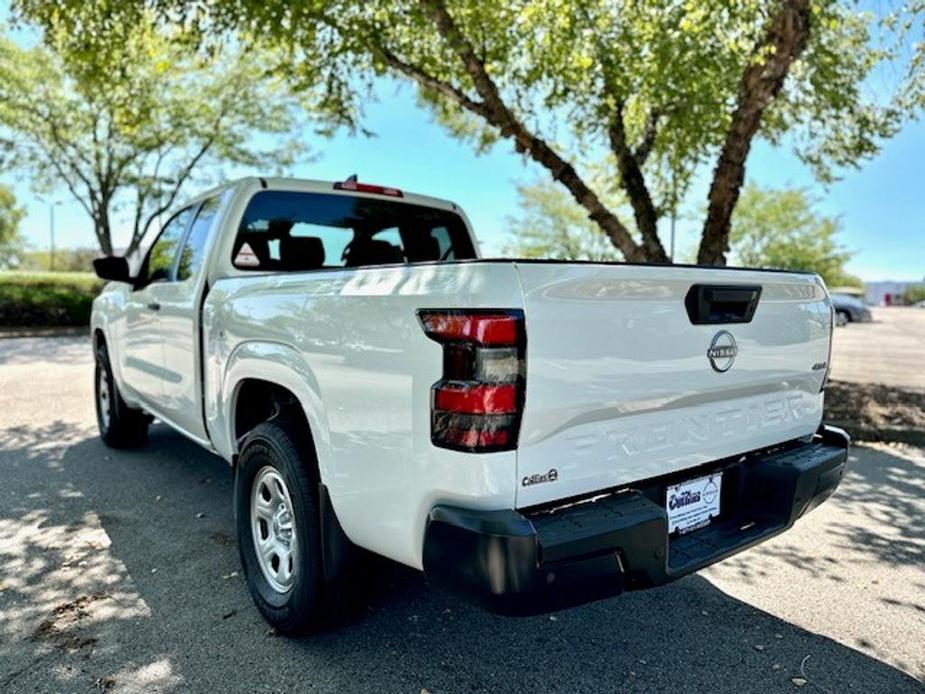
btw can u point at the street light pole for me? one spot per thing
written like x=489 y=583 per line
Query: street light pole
x=51 y=233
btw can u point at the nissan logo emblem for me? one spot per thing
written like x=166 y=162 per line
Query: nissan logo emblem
x=722 y=351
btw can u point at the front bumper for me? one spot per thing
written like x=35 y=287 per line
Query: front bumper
x=530 y=562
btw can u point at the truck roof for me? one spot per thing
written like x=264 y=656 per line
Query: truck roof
x=316 y=186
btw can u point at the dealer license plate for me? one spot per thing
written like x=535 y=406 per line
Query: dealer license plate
x=692 y=504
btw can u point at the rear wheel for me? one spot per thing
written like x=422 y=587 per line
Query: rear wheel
x=120 y=426
x=842 y=318
x=278 y=520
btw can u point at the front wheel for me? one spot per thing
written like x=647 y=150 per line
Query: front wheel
x=277 y=516
x=842 y=318
x=120 y=425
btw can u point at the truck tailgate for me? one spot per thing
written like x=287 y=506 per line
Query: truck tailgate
x=621 y=386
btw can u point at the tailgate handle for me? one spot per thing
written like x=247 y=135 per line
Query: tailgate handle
x=713 y=304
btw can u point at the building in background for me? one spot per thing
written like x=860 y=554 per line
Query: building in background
x=887 y=293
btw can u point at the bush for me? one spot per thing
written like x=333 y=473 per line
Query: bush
x=914 y=294
x=47 y=299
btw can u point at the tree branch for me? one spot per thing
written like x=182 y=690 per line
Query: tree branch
x=635 y=186
x=648 y=139
x=141 y=196
x=178 y=184
x=497 y=113
x=430 y=82
x=763 y=79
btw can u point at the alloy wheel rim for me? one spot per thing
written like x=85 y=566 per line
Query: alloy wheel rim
x=104 y=398
x=273 y=529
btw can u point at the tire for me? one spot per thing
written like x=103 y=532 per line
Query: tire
x=120 y=426
x=278 y=465
x=842 y=318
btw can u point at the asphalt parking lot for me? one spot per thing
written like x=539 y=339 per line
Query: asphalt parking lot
x=118 y=573
x=890 y=350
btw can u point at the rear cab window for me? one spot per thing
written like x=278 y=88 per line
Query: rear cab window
x=296 y=231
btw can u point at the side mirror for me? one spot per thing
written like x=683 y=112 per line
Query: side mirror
x=113 y=268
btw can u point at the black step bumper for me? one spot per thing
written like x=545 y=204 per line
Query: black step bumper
x=537 y=561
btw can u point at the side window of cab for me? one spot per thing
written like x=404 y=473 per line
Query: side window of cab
x=158 y=265
x=194 y=246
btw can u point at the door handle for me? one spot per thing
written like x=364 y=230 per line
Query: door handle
x=721 y=303
x=154 y=306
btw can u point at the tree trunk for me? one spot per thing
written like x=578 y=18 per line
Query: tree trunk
x=497 y=113
x=762 y=81
x=103 y=231
x=634 y=185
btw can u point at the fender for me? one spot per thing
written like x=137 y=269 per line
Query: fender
x=284 y=366
x=99 y=323
x=100 y=320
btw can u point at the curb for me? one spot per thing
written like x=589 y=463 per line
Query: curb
x=75 y=331
x=861 y=434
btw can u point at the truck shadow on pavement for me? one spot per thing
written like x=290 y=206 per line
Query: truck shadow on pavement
x=120 y=572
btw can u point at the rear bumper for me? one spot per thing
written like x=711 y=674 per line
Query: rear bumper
x=530 y=562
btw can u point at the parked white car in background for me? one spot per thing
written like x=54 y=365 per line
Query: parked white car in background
x=532 y=435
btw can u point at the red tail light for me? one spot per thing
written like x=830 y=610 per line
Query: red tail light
x=477 y=404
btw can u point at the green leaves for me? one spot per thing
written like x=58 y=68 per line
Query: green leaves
x=124 y=114
x=688 y=79
x=564 y=68
x=779 y=229
x=11 y=242
x=552 y=225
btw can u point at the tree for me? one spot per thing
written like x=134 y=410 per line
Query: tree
x=665 y=87
x=12 y=243
x=130 y=123
x=551 y=225
x=779 y=229
x=914 y=294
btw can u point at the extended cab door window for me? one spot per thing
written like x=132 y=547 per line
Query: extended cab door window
x=160 y=261
x=194 y=247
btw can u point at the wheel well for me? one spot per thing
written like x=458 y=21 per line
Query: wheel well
x=98 y=339
x=257 y=401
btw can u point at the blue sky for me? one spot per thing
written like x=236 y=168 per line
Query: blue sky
x=882 y=206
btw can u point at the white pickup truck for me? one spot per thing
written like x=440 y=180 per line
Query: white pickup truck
x=532 y=435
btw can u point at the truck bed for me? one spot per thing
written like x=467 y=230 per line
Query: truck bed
x=618 y=386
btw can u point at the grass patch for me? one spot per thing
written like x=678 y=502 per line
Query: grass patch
x=47 y=299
